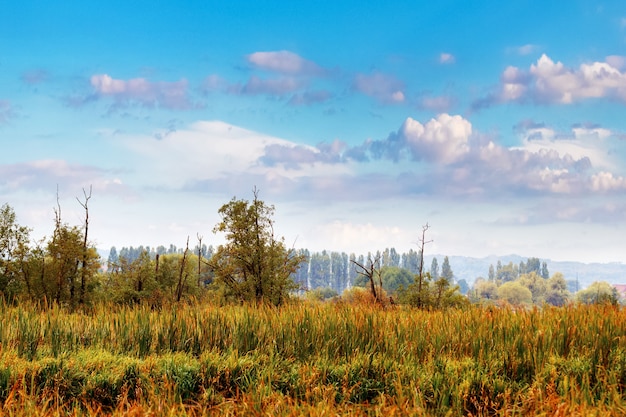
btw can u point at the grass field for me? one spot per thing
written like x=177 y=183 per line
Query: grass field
x=312 y=359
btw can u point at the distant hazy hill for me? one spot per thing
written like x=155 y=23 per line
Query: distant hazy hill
x=471 y=268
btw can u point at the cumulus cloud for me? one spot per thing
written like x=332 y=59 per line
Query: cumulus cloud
x=382 y=87
x=171 y=95
x=442 y=156
x=606 y=182
x=550 y=82
x=444 y=139
x=582 y=142
x=284 y=62
x=616 y=61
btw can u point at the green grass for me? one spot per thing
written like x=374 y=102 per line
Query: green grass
x=316 y=359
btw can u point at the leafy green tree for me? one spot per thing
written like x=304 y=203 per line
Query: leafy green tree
x=67 y=262
x=411 y=261
x=321 y=294
x=14 y=241
x=253 y=265
x=484 y=290
x=392 y=277
x=506 y=273
x=446 y=270
x=536 y=284
x=434 y=269
x=492 y=273
x=515 y=293
x=556 y=292
x=598 y=293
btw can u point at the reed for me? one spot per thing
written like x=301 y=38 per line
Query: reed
x=312 y=359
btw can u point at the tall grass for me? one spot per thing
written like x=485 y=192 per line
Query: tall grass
x=314 y=359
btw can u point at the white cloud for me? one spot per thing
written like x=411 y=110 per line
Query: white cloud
x=547 y=81
x=48 y=174
x=446 y=58
x=445 y=138
x=360 y=237
x=285 y=62
x=172 y=95
x=440 y=104
x=383 y=87
x=218 y=151
x=606 y=181
x=581 y=142
x=523 y=50
x=616 y=61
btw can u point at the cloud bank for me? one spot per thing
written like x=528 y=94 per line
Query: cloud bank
x=549 y=82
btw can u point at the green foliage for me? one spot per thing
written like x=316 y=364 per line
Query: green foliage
x=14 y=241
x=552 y=291
x=152 y=281
x=599 y=292
x=313 y=358
x=393 y=279
x=515 y=293
x=253 y=265
x=321 y=294
x=431 y=294
x=536 y=284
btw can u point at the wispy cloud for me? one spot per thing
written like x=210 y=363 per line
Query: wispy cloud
x=439 y=104
x=550 y=82
x=51 y=173
x=310 y=97
x=284 y=62
x=273 y=86
x=170 y=95
x=6 y=111
x=35 y=76
x=446 y=58
x=523 y=50
x=440 y=157
x=383 y=87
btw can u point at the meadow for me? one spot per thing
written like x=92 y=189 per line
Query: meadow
x=312 y=359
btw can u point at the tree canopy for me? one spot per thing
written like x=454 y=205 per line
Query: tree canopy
x=253 y=265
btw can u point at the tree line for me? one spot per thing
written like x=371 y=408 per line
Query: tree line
x=253 y=265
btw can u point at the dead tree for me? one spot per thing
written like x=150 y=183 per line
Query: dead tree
x=181 y=281
x=199 y=255
x=83 y=272
x=420 y=281
x=370 y=272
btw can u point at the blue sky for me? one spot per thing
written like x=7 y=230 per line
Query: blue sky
x=501 y=124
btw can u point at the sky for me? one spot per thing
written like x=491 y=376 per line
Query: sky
x=500 y=125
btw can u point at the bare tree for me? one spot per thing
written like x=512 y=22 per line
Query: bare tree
x=420 y=281
x=199 y=255
x=181 y=281
x=371 y=271
x=83 y=272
